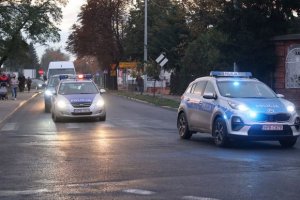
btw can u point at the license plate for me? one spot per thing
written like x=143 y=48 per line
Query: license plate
x=83 y=110
x=274 y=127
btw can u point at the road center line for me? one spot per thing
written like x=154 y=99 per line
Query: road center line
x=139 y=192
x=4 y=193
x=197 y=198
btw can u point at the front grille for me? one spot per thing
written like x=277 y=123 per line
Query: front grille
x=281 y=117
x=256 y=130
x=81 y=104
x=83 y=113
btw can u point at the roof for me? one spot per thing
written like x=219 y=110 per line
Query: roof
x=286 y=37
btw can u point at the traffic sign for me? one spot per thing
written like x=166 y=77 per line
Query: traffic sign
x=161 y=60
x=41 y=71
x=125 y=65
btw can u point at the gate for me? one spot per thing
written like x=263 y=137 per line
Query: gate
x=292 y=66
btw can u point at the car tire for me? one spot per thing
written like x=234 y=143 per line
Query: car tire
x=220 y=133
x=288 y=142
x=47 y=108
x=183 y=127
x=103 y=118
x=55 y=118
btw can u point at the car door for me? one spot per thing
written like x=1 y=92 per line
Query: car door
x=207 y=107
x=195 y=101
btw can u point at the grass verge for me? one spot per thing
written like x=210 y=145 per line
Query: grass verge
x=157 y=100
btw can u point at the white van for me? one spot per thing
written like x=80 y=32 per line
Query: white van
x=60 y=67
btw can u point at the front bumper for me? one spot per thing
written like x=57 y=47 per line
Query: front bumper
x=80 y=113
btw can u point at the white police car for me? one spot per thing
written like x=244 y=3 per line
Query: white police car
x=233 y=105
x=78 y=98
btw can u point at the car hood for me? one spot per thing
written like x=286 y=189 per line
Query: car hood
x=268 y=105
x=80 y=98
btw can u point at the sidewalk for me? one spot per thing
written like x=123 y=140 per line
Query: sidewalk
x=10 y=106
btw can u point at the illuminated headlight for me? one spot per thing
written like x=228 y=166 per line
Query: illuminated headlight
x=48 y=93
x=236 y=106
x=61 y=104
x=40 y=85
x=100 y=103
x=290 y=108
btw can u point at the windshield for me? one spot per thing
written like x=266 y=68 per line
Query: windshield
x=245 y=89
x=54 y=81
x=77 y=88
x=52 y=72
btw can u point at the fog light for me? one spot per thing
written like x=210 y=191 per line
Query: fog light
x=236 y=123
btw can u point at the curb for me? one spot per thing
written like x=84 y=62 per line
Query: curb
x=21 y=104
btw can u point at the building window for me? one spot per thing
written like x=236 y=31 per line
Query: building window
x=292 y=66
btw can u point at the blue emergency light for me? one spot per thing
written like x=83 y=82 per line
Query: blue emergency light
x=61 y=77
x=66 y=76
x=231 y=74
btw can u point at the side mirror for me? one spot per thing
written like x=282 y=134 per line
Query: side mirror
x=280 y=95
x=102 y=91
x=209 y=95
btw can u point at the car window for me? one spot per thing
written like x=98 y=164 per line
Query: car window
x=199 y=87
x=54 y=81
x=209 y=88
x=189 y=88
x=77 y=88
x=245 y=89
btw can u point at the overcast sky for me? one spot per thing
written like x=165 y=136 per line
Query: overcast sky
x=70 y=12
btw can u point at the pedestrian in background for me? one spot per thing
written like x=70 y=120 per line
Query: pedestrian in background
x=140 y=83
x=28 y=83
x=14 y=85
x=22 y=81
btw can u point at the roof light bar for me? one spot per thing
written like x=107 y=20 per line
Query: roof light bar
x=230 y=74
x=85 y=76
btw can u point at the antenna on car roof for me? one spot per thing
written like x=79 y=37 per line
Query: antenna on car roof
x=235 y=67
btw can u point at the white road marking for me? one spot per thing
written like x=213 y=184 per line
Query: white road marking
x=197 y=198
x=106 y=125
x=72 y=125
x=9 y=127
x=5 y=193
x=139 y=192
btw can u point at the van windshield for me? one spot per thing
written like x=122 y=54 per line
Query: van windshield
x=52 y=72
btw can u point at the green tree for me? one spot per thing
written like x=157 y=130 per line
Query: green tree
x=167 y=31
x=99 y=33
x=34 y=20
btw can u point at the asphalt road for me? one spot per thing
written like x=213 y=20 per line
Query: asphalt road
x=135 y=154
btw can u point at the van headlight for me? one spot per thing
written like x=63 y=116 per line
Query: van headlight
x=48 y=93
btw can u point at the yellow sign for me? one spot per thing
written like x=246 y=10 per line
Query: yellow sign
x=125 y=65
x=113 y=73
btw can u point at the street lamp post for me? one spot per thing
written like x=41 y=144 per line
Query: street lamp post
x=145 y=43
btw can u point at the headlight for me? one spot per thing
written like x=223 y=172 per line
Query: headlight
x=48 y=93
x=290 y=108
x=61 y=104
x=40 y=85
x=237 y=106
x=100 y=103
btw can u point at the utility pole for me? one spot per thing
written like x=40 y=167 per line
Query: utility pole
x=145 y=43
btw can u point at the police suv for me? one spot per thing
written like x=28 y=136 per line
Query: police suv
x=233 y=105
x=78 y=98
